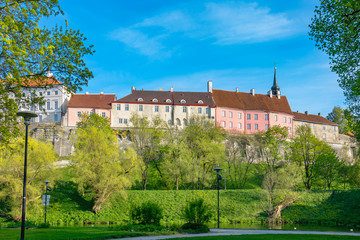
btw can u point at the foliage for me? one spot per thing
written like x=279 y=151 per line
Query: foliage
x=27 y=52
x=194 y=228
x=197 y=212
x=327 y=166
x=337 y=116
x=100 y=167
x=147 y=213
x=41 y=157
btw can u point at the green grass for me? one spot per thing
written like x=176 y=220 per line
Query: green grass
x=70 y=233
x=275 y=237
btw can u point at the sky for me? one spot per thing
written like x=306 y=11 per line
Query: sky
x=183 y=44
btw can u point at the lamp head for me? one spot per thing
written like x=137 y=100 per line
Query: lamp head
x=217 y=169
x=27 y=116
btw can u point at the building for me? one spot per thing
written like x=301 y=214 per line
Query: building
x=321 y=127
x=55 y=96
x=88 y=103
x=174 y=108
x=240 y=112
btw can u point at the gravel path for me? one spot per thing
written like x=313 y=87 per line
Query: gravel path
x=221 y=232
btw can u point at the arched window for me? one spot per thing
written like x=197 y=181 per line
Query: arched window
x=185 y=122
x=182 y=101
x=178 y=122
x=200 y=102
x=168 y=100
x=155 y=100
x=140 y=99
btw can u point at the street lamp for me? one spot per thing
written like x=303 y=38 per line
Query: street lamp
x=218 y=178
x=46 y=196
x=27 y=116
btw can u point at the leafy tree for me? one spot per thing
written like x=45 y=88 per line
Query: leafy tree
x=305 y=149
x=327 y=167
x=100 y=167
x=337 y=116
x=28 y=51
x=335 y=28
x=41 y=156
x=197 y=212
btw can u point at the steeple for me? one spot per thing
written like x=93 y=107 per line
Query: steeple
x=275 y=89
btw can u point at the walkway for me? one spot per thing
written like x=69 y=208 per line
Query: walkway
x=222 y=232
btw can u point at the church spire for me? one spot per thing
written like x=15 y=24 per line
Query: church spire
x=275 y=88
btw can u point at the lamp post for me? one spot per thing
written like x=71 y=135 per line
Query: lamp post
x=218 y=178
x=46 y=202
x=27 y=116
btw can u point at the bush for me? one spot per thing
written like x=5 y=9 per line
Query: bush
x=44 y=225
x=197 y=212
x=147 y=213
x=194 y=228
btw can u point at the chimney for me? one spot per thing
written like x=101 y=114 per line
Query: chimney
x=101 y=93
x=306 y=112
x=49 y=74
x=278 y=94
x=319 y=114
x=161 y=89
x=252 y=91
x=237 y=90
x=86 y=92
x=133 y=89
x=270 y=93
x=209 y=86
x=171 y=89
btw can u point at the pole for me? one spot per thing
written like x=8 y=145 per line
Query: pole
x=46 y=200
x=218 y=213
x=27 y=122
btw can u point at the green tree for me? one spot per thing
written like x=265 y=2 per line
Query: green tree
x=305 y=149
x=327 y=167
x=337 y=116
x=28 y=51
x=41 y=156
x=335 y=28
x=100 y=167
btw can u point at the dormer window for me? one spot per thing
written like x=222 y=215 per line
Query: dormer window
x=200 y=102
x=168 y=100
x=155 y=100
x=182 y=101
x=140 y=99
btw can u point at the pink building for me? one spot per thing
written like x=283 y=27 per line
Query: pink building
x=240 y=112
x=88 y=103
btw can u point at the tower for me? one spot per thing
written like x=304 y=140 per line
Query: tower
x=275 y=89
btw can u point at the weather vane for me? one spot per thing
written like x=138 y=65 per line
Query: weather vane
x=275 y=63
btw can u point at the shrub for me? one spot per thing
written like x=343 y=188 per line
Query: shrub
x=197 y=212
x=194 y=228
x=147 y=213
x=44 y=225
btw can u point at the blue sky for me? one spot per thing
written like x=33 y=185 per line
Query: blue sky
x=183 y=44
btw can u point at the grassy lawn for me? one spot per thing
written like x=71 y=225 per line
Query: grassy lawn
x=275 y=237
x=68 y=233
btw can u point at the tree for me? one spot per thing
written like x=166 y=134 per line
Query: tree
x=27 y=52
x=100 y=167
x=327 y=167
x=335 y=28
x=337 y=116
x=41 y=156
x=305 y=149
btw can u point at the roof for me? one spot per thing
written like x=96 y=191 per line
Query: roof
x=312 y=118
x=169 y=98
x=41 y=82
x=91 y=101
x=247 y=101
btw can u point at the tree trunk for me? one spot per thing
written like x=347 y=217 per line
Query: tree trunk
x=275 y=213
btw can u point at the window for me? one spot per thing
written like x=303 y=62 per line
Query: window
x=169 y=122
x=182 y=101
x=184 y=109
x=140 y=108
x=275 y=117
x=48 y=105
x=185 y=122
x=230 y=114
x=155 y=100
x=223 y=113
x=156 y=108
x=41 y=93
x=91 y=113
x=334 y=129
x=248 y=126
x=230 y=124
x=120 y=120
x=40 y=118
x=266 y=116
x=125 y=121
x=55 y=117
x=239 y=125
x=168 y=100
x=140 y=99
x=223 y=124
x=32 y=107
x=199 y=110
x=23 y=94
x=167 y=108
x=207 y=110
x=289 y=120
x=334 y=137
x=324 y=127
x=48 y=93
x=302 y=124
x=256 y=116
x=239 y=115
x=256 y=126
x=79 y=114
x=126 y=107
x=103 y=114
x=41 y=107
x=248 y=116
x=284 y=119
x=178 y=122
x=56 y=104
x=289 y=129
x=118 y=107
x=56 y=93
x=200 y=102
x=324 y=135
x=266 y=126
x=311 y=125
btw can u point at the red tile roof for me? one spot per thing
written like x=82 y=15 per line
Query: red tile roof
x=191 y=98
x=312 y=118
x=39 y=82
x=247 y=101
x=91 y=101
